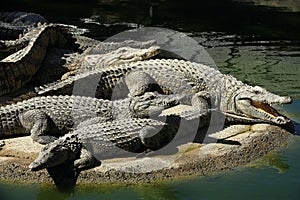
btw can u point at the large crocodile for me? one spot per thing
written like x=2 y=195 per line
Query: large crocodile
x=86 y=62
x=28 y=52
x=49 y=72
x=92 y=46
x=96 y=141
x=235 y=99
x=18 y=68
x=47 y=117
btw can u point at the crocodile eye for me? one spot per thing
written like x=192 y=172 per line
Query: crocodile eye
x=151 y=97
x=256 y=92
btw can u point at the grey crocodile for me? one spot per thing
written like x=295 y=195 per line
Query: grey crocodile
x=88 y=144
x=30 y=49
x=52 y=72
x=18 y=68
x=14 y=24
x=91 y=46
x=94 y=54
x=46 y=117
x=238 y=101
x=86 y=62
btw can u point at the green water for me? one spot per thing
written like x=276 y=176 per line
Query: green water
x=258 y=42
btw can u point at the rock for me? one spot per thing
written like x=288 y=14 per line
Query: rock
x=22 y=147
x=233 y=147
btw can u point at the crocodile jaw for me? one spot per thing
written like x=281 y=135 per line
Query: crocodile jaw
x=50 y=156
x=128 y=54
x=254 y=104
x=254 y=110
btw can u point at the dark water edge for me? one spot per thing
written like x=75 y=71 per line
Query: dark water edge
x=231 y=16
x=258 y=44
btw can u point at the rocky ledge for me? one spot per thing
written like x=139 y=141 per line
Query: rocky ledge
x=231 y=148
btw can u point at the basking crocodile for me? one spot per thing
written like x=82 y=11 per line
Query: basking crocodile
x=49 y=72
x=14 y=24
x=88 y=144
x=92 y=46
x=47 y=117
x=30 y=49
x=93 y=54
x=18 y=68
x=85 y=63
x=238 y=101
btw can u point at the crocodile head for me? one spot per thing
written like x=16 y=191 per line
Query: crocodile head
x=56 y=153
x=152 y=103
x=255 y=104
x=129 y=54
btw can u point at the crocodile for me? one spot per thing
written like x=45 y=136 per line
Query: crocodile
x=31 y=47
x=238 y=101
x=93 y=141
x=92 y=51
x=113 y=57
x=87 y=145
x=48 y=116
x=14 y=24
x=18 y=68
x=49 y=72
x=92 y=46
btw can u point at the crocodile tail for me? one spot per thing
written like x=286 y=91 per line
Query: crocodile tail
x=51 y=87
x=66 y=84
x=55 y=86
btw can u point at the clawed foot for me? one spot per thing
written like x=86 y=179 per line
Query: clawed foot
x=86 y=161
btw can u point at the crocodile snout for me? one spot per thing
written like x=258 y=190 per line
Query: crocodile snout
x=34 y=166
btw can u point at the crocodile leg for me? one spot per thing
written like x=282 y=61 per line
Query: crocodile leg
x=157 y=137
x=86 y=160
x=139 y=82
x=201 y=101
x=38 y=123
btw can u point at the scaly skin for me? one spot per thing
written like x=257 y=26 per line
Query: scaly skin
x=11 y=46
x=238 y=101
x=18 y=68
x=14 y=24
x=86 y=63
x=91 y=46
x=107 y=140
x=44 y=117
x=115 y=57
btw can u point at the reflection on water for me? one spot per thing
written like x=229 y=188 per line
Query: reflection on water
x=229 y=16
x=273 y=160
x=287 y=5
